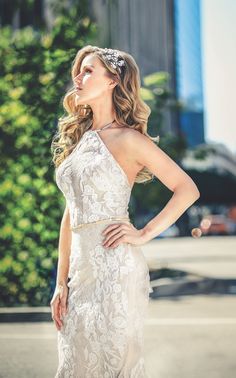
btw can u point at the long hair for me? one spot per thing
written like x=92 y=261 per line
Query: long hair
x=129 y=108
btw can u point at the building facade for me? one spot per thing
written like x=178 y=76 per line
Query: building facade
x=188 y=52
x=144 y=29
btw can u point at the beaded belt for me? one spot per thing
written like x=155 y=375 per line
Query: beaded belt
x=99 y=221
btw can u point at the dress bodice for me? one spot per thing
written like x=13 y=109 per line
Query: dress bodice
x=94 y=184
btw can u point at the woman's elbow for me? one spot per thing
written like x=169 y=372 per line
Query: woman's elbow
x=193 y=191
x=189 y=190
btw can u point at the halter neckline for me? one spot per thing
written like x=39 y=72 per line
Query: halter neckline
x=104 y=127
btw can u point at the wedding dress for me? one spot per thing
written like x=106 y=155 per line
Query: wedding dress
x=102 y=332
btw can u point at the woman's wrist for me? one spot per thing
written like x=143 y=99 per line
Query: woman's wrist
x=58 y=290
x=145 y=235
x=61 y=283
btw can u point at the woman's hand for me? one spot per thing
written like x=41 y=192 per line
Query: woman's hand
x=115 y=234
x=59 y=304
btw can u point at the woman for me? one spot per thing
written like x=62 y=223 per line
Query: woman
x=102 y=148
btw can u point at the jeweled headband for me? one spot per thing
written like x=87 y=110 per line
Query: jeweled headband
x=113 y=58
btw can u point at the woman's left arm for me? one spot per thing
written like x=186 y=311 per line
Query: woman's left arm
x=185 y=191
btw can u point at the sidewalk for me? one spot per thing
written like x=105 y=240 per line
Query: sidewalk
x=189 y=336
x=192 y=266
x=213 y=256
x=179 y=266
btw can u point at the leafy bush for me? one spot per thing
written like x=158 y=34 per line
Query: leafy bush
x=35 y=68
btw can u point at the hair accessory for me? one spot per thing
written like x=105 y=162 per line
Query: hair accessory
x=113 y=58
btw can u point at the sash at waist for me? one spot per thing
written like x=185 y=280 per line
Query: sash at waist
x=99 y=221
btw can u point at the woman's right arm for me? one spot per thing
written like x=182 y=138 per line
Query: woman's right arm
x=59 y=302
x=64 y=249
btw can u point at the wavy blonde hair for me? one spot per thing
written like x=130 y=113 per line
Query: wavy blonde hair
x=130 y=110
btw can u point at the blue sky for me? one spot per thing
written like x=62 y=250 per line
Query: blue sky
x=219 y=70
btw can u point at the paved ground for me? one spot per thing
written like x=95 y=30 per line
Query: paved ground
x=185 y=337
x=209 y=256
x=191 y=337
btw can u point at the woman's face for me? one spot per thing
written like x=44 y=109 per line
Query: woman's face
x=92 y=82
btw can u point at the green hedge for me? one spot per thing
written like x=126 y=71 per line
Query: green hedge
x=35 y=70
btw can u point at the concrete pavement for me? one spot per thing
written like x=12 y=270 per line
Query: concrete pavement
x=213 y=256
x=185 y=337
x=183 y=266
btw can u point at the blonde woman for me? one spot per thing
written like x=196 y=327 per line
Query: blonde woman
x=101 y=148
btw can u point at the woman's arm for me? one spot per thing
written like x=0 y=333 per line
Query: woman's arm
x=64 y=249
x=144 y=152
x=184 y=196
x=59 y=300
x=185 y=191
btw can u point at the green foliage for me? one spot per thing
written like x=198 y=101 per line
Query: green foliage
x=35 y=68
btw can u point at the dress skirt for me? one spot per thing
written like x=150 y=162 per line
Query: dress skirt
x=102 y=332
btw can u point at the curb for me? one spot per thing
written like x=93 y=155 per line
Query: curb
x=196 y=286
x=25 y=314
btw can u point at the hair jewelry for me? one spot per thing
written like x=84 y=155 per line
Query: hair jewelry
x=113 y=58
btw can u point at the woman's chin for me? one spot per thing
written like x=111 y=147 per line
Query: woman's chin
x=78 y=99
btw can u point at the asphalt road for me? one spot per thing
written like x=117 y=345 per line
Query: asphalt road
x=185 y=337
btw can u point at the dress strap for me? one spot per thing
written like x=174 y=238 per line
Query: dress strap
x=105 y=127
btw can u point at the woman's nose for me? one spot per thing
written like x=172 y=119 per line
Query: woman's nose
x=79 y=74
x=77 y=78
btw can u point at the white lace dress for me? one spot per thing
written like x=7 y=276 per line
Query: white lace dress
x=102 y=333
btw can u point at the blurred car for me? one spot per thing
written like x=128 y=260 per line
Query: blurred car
x=217 y=224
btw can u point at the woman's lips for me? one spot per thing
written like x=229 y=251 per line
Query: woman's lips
x=78 y=89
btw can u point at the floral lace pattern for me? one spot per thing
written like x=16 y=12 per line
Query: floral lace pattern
x=102 y=333
x=92 y=182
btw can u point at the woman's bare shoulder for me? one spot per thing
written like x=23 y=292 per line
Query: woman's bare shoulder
x=133 y=137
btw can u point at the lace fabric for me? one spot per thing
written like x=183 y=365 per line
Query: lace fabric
x=93 y=183
x=102 y=333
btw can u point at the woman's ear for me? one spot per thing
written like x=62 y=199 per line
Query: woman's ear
x=112 y=83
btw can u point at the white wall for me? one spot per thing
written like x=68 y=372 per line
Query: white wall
x=219 y=70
